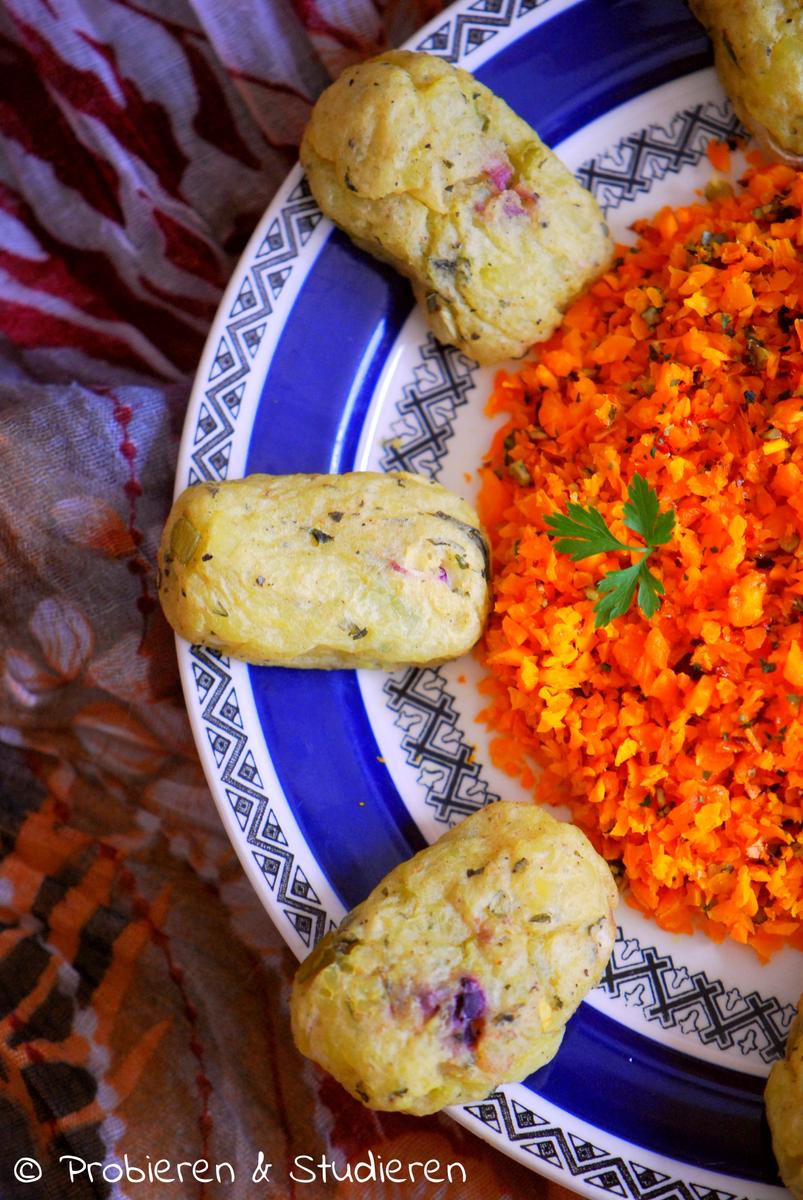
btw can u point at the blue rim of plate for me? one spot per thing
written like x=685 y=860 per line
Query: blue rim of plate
x=291 y=756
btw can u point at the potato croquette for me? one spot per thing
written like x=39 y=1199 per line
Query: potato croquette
x=758 y=49
x=784 y=1099
x=355 y=570
x=428 y=170
x=461 y=969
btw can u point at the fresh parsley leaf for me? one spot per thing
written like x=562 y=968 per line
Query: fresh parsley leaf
x=618 y=588
x=582 y=533
x=650 y=590
x=643 y=516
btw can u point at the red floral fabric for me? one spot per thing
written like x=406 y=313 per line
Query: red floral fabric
x=143 y=991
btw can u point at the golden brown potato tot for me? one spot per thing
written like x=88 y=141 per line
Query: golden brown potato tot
x=431 y=172
x=355 y=570
x=461 y=969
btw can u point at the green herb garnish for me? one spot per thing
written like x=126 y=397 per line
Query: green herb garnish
x=583 y=532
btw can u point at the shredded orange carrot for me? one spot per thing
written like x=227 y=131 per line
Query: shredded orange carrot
x=719 y=156
x=677 y=742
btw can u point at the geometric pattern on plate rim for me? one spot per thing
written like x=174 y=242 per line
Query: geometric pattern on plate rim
x=248 y=800
x=629 y=169
x=581 y=1159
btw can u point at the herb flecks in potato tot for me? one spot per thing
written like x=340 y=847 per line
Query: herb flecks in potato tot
x=758 y=49
x=427 y=169
x=461 y=969
x=356 y=570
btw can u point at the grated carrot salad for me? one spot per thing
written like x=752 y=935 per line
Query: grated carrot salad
x=677 y=742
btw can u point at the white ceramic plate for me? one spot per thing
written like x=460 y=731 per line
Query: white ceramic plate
x=317 y=361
